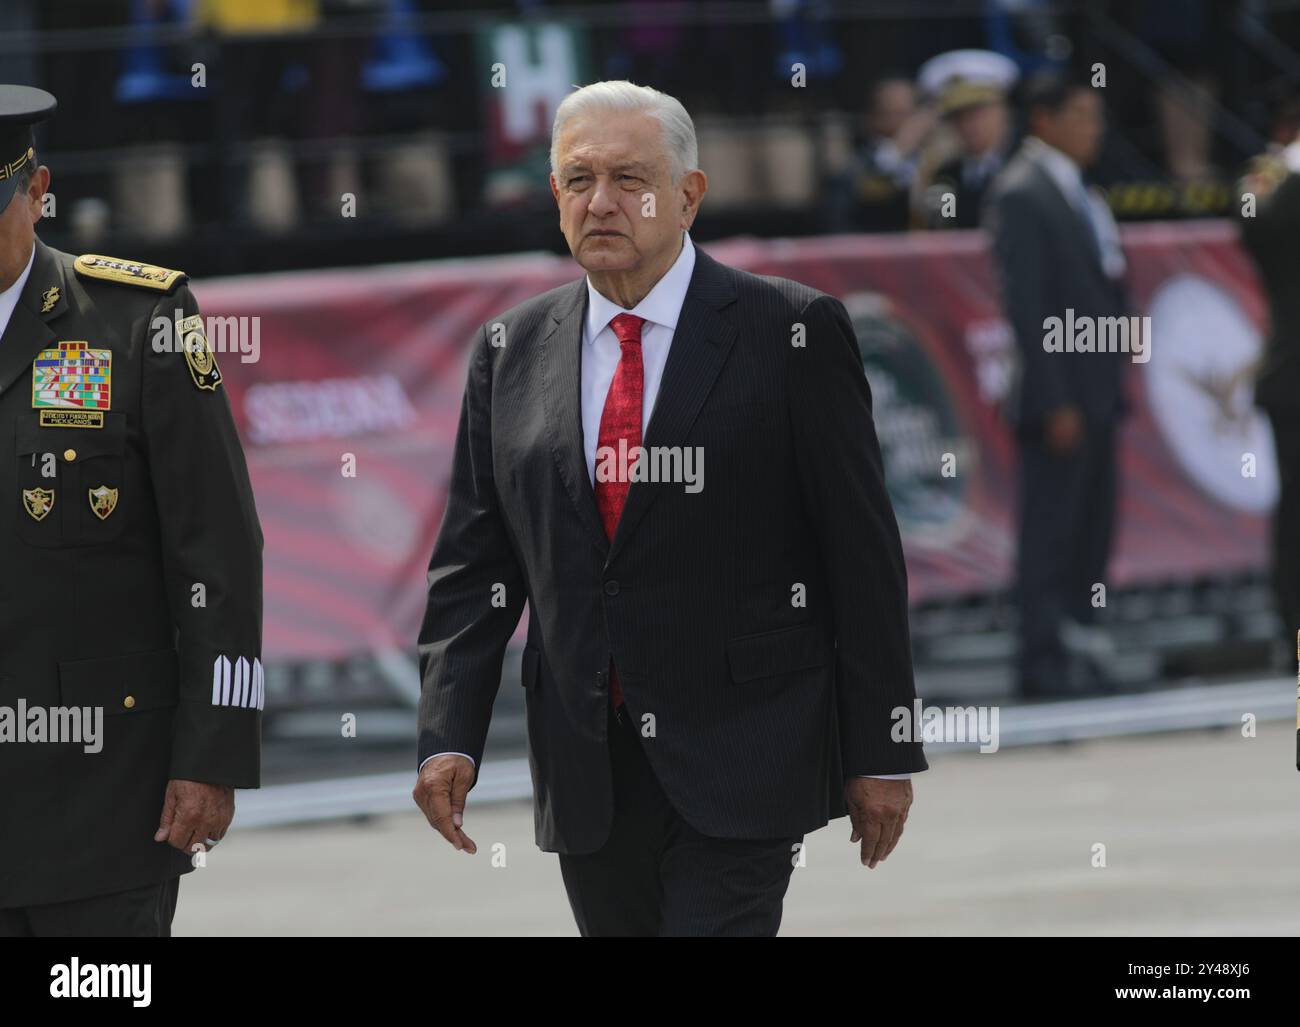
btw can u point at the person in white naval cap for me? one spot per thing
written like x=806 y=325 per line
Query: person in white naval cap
x=970 y=88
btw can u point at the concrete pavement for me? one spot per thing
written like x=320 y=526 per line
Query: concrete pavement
x=1201 y=833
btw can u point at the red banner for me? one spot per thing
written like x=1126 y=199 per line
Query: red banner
x=347 y=392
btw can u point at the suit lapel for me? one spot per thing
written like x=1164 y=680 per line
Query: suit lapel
x=561 y=363
x=1069 y=210
x=28 y=331
x=699 y=349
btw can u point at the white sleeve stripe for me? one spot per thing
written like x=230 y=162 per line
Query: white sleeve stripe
x=259 y=684
x=245 y=688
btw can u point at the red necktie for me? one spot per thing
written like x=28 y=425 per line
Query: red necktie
x=621 y=419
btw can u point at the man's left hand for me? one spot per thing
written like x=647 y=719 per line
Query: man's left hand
x=195 y=814
x=878 y=809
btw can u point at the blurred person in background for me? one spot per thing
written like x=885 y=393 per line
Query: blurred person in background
x=1189 y=35
x=972 y=87
x=873 y=194
x=261 y=73
x=688 y=721
x=1057 y=249
x=650 y=46
x=18 y=64
x=1270 y=231
x=248 y=16
x=288 y=75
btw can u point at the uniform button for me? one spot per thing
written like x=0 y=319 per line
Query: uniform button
x=129 y=702
x=611 y=588
x=69 y=455
x=600 y=678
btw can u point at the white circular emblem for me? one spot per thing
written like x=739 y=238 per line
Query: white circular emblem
x=1200 y=385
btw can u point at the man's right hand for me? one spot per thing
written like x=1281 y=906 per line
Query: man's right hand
x=1063 y=429
x=441 y=792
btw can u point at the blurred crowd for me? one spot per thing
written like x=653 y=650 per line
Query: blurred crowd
x=304 y=101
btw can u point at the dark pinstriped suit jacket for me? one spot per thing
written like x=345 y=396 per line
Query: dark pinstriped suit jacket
x=762 y=704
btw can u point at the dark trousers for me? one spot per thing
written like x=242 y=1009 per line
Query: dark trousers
x=139 y=913
x=1067 y=517
x=658 y=876
x=1286 y=521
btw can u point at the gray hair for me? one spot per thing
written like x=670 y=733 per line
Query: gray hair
x=625 y=97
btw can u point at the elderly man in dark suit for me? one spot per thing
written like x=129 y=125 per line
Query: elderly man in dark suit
x=714 y=661
x=1058 y=252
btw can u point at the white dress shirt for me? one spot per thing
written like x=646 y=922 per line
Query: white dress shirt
x=601 y=352
x=9 y=298
x=1062 y=170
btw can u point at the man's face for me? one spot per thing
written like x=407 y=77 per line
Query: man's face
x=17 y=227
x=1076 y=129
x=982 y=128
x=619 y=209
x=894 y=102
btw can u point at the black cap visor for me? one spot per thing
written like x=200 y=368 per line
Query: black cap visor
x=9 y=177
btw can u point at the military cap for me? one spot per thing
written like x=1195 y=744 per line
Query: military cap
x=21 y=108
x=960 y=79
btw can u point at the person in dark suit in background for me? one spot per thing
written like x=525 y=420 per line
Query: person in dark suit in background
x=1271 y=234
x=713 y=663
x=1058 y=253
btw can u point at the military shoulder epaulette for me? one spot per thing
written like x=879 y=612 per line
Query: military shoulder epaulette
x=127 y=272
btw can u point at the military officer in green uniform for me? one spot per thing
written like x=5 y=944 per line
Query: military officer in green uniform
x=131 y=682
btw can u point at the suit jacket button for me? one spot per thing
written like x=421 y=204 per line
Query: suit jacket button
x=611 y=588
x=69 y=455
x=129 y=702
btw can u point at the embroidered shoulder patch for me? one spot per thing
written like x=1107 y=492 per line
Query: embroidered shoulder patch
x=198 y=354
x=127 y=272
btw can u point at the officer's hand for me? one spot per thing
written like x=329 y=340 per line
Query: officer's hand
x=194 y=812
x=878 y=809
x=1063 y=428
x=441 y=792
